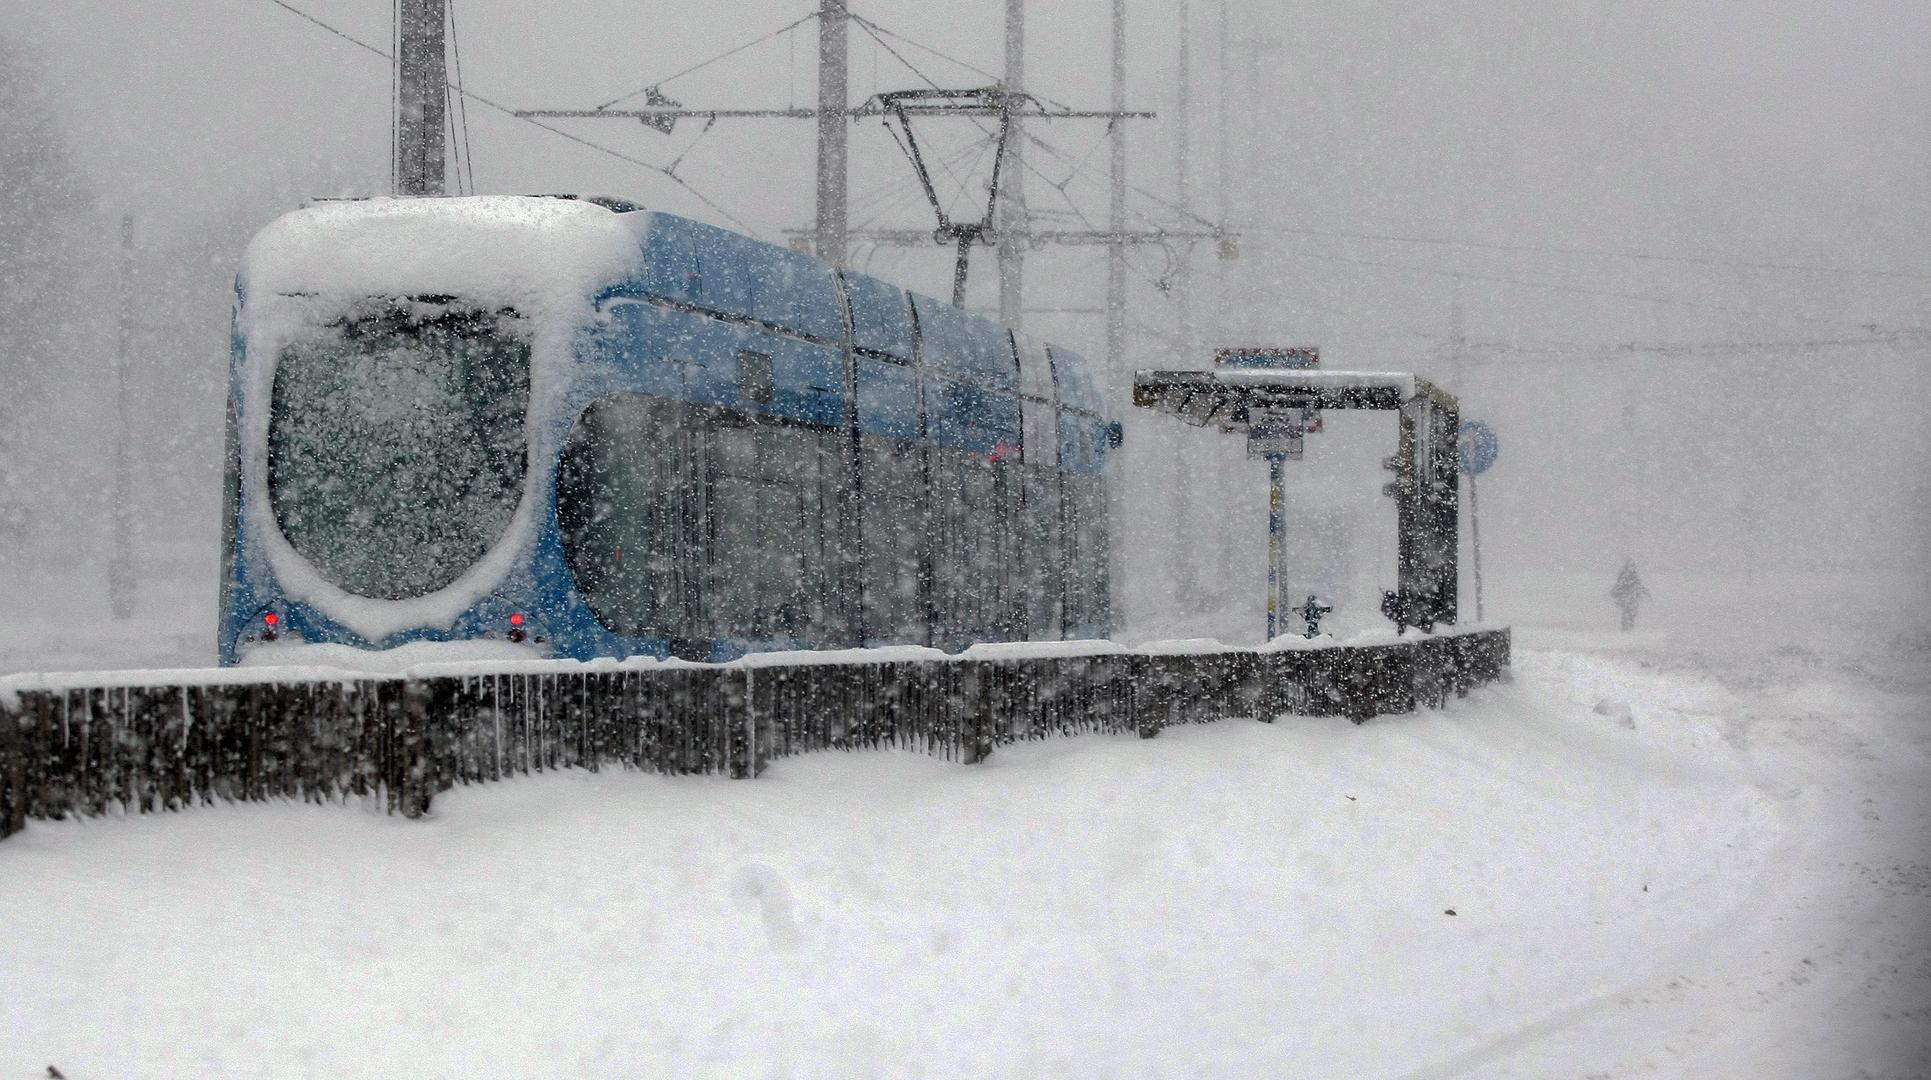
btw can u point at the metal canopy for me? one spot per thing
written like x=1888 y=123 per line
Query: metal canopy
x=1228 y=396
x=1270 y=406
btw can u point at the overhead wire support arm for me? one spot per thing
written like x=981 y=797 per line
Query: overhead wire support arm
x=1076 y=237
x=984 y=101
x=863 y=112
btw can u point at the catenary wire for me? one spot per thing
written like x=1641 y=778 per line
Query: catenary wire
x=511 y=113
x=728 y=53
x=462 y=99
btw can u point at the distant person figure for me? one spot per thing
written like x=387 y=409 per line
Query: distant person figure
x=1628 y=592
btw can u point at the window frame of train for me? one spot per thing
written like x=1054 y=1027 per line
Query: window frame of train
x=370 y=370
x=695 y=453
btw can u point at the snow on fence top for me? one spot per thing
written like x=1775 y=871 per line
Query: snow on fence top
x=429 y=660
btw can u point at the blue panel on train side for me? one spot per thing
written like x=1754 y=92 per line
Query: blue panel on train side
x=969 y=345
x=646 y=345
x=888 y=399
x=808 y=381
x=970 y=418
x=880 y=320
x=1074 y=381
x=721 y=271
x=1082 y=443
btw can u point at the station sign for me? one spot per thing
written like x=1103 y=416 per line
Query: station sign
x=1276 y=433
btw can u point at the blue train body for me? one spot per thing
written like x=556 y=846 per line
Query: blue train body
x=687 y=442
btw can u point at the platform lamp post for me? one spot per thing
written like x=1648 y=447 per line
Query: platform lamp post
x=1274 y=434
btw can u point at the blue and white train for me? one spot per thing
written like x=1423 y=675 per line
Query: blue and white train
x=582 y=429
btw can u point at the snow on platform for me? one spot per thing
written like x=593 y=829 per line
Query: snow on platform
x=1731 y=883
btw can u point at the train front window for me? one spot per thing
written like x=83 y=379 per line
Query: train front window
x=396 y=452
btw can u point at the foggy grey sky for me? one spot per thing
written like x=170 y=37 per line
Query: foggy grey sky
x=1770 y=132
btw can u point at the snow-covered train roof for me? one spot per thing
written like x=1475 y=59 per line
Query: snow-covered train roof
x=556 y=257
x=526 y=252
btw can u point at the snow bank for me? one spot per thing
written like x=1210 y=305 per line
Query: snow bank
x=1228 y=901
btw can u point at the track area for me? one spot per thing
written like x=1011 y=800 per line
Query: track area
x=1702 y=867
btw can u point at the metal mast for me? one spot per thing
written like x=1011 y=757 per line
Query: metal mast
x=1186 y=583
x=1116 y=364
x=834 y=39
x=1182 y=282
x=120 y=560
x=1012 y=220
x=422 y=97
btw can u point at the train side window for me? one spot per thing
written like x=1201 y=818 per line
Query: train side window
x=894 y=531
x=768 y=511
x=1087 y=608
x=970 y=549
x=1042 y=542
x=627 y=513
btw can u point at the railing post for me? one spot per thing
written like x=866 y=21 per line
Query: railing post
x=13 y=773
x=413 y=784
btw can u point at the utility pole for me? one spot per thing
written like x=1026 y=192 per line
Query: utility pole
x=1182 y=283
x=834 y=41
x=120 y=561
x=1116 y=364
x=1185 y=581
x=1224 y=306
x=1119 y=378
x=1012 y=221
x=422 y=97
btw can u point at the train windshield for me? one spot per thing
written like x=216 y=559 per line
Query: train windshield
x=396 y=451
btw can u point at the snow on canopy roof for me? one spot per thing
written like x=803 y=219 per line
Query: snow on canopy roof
x=527 y=252
x=1401 y=382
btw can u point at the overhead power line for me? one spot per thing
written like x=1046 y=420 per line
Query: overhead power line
x=1604 y=253
x=513 y=114
x=1551 y=286
x=702 y=64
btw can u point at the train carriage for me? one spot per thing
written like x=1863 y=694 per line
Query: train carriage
x=578 y=428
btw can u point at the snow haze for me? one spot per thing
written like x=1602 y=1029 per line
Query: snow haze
x=1673 y=251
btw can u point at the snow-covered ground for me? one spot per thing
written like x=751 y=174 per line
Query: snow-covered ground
x=1666 y=854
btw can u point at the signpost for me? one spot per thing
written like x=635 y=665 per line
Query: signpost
x=1477 y=447
x=1274 y=434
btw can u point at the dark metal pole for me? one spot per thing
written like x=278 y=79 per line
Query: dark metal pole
x=1116 y=365
x=959 y=270
x=1475 y=540
x=833 y=45
x=120 y=561
x=1276 y=545
x=422 y=98
x=1011 y=219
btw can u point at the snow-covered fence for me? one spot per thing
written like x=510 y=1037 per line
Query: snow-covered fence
x=167 y=744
